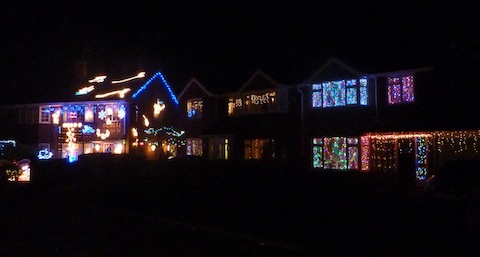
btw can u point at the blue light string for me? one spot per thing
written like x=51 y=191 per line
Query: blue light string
x=142 y=88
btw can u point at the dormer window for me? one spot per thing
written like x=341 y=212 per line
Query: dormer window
x=400 y=89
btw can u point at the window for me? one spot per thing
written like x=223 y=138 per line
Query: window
x=259 y=149
x=256 y=102
x=28 y=115
x=263 y=102
x=194 y=108
x=400 y=89
x=235 y=106
x=340 y=93
x=44 y=114
x=194 y=146
x=337 y=153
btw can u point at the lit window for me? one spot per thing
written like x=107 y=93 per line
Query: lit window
x=259 y=149
x=340 y=93
x=400 y=89
x=45 y=114
x=337 y=153
x=194 y=108
x=235 y=106
x=194 y=146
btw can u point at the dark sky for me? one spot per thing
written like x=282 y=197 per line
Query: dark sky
x=221 y=43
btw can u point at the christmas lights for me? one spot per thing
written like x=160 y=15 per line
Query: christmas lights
x=400 y=89
x=139 y=75
x=157 y=75
x=85 y=90
x=340 y=93
x=104 y=135
x=98 y=79
x=44 y=154
x=120 y=93
x=158 y=107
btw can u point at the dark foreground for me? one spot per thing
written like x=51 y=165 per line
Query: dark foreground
x=175 y=212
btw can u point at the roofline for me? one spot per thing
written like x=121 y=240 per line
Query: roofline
x=190 y=82
x=258 y=72
x=64 y=103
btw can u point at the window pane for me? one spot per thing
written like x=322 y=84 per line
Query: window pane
x=363 y=96
x=317 y=99
x=334 y=93
x=317 y=157
x=335 y=153
x=394 y=90
x=353 y=157
x=194 y=108
x=407 y=88
x=351 y=95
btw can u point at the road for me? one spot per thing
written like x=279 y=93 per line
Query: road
x=179 y=215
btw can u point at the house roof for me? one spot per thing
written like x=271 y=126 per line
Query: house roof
x=259 y=80
x=333 y=63
x=191 y=83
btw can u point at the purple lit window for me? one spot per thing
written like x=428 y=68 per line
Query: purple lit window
x=400 y=89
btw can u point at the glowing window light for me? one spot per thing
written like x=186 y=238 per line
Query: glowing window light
x=317 y=152
x=88 y=114
x=118 y=149
x=44 y=154
x=56 y=117
x=103 y=135
x=120 y=93
x=25 y=172
x=98 y=79
x=334 y=93
x=139 y=75
x=121 y=112
x=85 y=90
x=157 y=75
x=97 y=147
x=400 y=89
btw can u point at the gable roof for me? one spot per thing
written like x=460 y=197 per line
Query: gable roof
x=259 y=79
x=333 y=63
x=193 y=82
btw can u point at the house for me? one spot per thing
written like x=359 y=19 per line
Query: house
x=135 y=114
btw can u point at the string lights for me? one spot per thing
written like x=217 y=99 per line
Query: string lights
x=157 y=75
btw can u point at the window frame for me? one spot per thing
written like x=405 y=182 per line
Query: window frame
x=323 y=90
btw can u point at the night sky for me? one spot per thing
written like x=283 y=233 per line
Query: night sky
x=222 y=44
